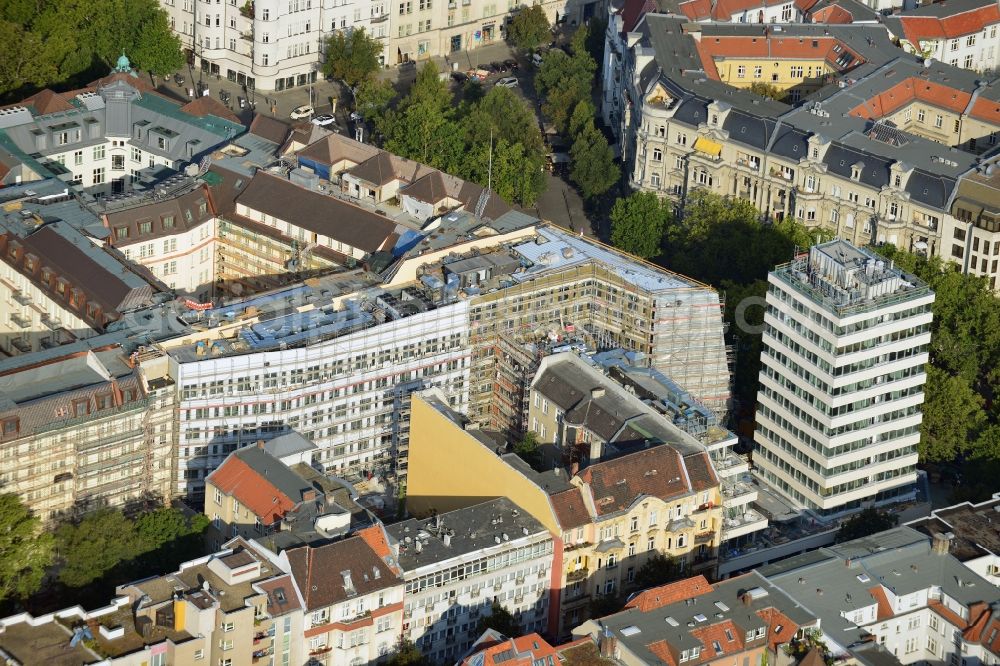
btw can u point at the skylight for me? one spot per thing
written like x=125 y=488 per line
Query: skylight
x=864 y=578
x=700 y=618
x=630 y=630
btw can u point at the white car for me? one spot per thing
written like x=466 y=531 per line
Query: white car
x=324 y=120
x=507 y=82
x=300 y=112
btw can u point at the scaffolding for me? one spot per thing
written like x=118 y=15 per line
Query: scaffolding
x=680 y=330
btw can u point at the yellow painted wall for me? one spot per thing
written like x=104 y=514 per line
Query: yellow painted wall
x=449 y=469
x=729 y=72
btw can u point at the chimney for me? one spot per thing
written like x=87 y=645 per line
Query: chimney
x=260 y=444
x=746 y=598
x=308 y=495
x=596 y=448
x=608 y=645
x=598 y=392
x=447 y=539
x=942 y=542
x=574 y=469
x=418 y=546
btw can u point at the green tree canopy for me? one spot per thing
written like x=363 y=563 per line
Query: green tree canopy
x=499 y=619
x=529 y=28
x=372 y=98
x=426 y=127
x=25 y=551
x=352 y=56
x=593 y=169
x=767 y=90
x=638 y=222
x=868 y=521
x=91 y=548
x=563 y=82
x=659 y=569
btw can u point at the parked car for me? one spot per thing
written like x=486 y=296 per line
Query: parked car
x=300 y=112
x=356 y=117
x=536 y=59
x=507 y=82
x=178 y=79
x=511 y=64
x=324 y=120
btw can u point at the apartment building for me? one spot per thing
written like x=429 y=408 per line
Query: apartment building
x=457 y=564
x=742 y=11
x=968 y=528
x=962 y=34
x=744 y=619
x=268 y=45
x=606 y=520
x=897 y=596
x=233 y=607
x=828 y=163
x=107 y=137
x=335 y=359
x=57 y=286
x=271 y=494
x=971 y=234
x=173 y=237
x=841 y=383
x=82 y=431
x=352 y=597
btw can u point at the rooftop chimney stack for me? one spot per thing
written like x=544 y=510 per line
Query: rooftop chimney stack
x=941 y=543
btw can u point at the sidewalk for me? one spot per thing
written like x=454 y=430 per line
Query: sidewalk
x=495 y=52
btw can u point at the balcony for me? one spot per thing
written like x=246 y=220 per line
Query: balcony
x=21 y=345
x=731 y=465
x=22 y=298
x=380 y=19
x=247 y=10
x=704 y=537
x=744 y=523
x=738 y=494
x=20 y=320
x=577 y=574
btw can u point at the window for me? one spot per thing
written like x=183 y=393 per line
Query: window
x=970 y=40
x=810 y=183
x=168 y=222
x=911 y=645
x=78 y=157
x=199 y=654
x=657 y=155
x=98 y=175
x=682 y=140
x=117 y=162
x=652 y=518
x=228 y=626
x=741 y=72
x=98 y=152
x=907 y=115
x=893 y=209
x=757 y=71
x=634 y=523
x=968 y=61
x=651 y=543
x=921 y=115
x=957 y=251
x=938 y=120
x=654 y=180
x=796 y=71
x=953 y=45
x=265 y=15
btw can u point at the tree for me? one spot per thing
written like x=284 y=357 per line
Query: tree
x=352 y=56
x=527 y=449
x=499 y=620
x=529 y=28
x=563 y=82
x=594 y=169
x=25 y=552
x=659 y=569
x=869 y=521
x=638 y=222
x=371 y=99
x=406 y=654
x=767 y=90
x=92 y=547
x=952 y=412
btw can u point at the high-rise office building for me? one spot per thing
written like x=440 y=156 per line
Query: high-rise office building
x=841 y=381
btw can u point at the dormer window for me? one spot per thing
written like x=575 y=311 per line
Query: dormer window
x=145 y=227
x=715 y=119
x=9 y=427
x=897 y=181
x=161 y=143
x=121 y=233
x=855 y=173
x=30 y=263
x=168 y=222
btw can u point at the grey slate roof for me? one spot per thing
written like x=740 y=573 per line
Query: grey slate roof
x=468 y=530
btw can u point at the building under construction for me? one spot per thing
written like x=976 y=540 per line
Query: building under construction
x=531 y=297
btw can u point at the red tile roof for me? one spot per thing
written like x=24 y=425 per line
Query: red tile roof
x=775 y=619
x=833 y=14
x=697 y=10
x=47 y=101
x=377 y=540
x=234 y=477
x=779 y=46
x=570 y=509
x=209 y=106
x=521 y=651
x=616 y=484
x=929 y=92
x=671 y=593
x=884 y=607
x=663 y=651
x=717 y=632
x=922 y=28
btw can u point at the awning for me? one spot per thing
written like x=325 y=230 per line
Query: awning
x=708 y=146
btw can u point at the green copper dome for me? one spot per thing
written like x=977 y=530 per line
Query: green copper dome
x=123 y=64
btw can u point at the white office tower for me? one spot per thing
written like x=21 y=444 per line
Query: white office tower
x=841 y=380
